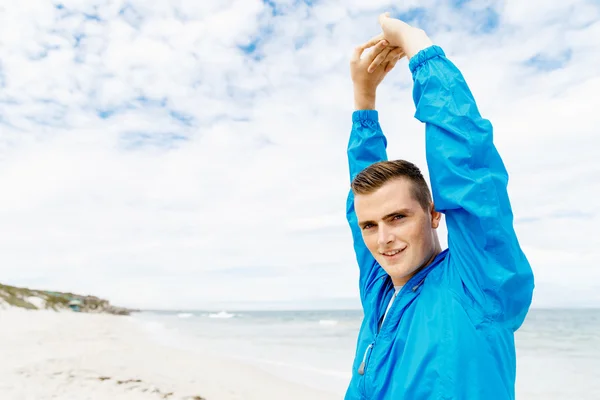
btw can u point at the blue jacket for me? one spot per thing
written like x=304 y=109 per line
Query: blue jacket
x=450 y=332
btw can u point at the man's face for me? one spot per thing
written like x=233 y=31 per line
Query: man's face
x=395 y=228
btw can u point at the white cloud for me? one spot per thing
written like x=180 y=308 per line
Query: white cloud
x=158 y=165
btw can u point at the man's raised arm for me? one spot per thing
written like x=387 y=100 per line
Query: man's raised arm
x=469 y=182
x=367 y=144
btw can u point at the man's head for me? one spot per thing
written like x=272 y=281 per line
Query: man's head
x=397 y=217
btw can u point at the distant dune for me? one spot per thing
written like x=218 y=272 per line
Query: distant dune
x=11 y=296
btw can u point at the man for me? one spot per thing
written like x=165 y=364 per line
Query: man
x=437 y=324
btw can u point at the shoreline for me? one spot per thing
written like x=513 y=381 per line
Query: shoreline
x=67 y=355
x=72 y=356
x=294 y=360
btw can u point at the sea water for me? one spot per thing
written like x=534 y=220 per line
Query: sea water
x=558 y=350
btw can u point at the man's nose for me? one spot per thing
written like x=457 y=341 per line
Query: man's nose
x=385 y=235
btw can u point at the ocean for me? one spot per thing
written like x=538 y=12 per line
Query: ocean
x=558 y=350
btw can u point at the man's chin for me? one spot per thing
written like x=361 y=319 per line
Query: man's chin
x=398 y=270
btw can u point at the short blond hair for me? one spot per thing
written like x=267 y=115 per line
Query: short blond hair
x=378 y=174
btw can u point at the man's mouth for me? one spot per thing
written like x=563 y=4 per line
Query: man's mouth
x=392 y=253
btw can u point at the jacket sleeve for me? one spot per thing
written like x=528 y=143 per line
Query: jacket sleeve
x=469 y=185
x=367 y=145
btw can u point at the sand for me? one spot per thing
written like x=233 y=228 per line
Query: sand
x=68 y=355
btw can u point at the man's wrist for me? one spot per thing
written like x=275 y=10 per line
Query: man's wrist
x=364 y=100
x=365 y=116
x=423 y=56
x=417 y=49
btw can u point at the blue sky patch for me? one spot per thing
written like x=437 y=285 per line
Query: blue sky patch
x=282 y=9
x=92 y=17
x=78 y=37
x=54 y=115
x=105 y=114
x=459 y=3
x=253 y=48
x=109 y=112
x=131 y=16
x=415 y=16
x=185 y=119
x=148 y=102
x=488 y=20
x=43 y=53
x=139 y=140
x=546 y=63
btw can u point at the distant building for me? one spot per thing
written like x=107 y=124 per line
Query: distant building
x=75 y=305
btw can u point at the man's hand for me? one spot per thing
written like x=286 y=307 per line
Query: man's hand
x=368 y=72
x=399 y=34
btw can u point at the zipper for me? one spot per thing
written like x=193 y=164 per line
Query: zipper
x=363 y=364
x=402 y=291
x=396 y=297
x=361 y=369
x=422 y=275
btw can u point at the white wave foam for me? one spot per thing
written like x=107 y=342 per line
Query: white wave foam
x=222 y=314
x=184 y=315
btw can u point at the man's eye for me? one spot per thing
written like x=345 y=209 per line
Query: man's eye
x=368 y=226
x=398 y=216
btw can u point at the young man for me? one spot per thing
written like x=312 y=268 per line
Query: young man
x=437 y=324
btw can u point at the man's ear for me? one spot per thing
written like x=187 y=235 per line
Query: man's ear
x=435 y=217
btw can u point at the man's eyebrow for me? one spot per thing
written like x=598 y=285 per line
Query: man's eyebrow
x=403 y=211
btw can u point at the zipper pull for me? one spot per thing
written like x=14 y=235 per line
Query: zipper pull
x=361 y=368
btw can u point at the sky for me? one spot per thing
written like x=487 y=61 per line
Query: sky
x=186 y=155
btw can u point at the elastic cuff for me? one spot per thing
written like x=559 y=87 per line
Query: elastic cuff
x=365 y=115
x=424 y=55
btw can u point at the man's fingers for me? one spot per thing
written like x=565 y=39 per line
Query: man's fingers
x=370 y=43
x=391 y=64
x=381 y=47
x=387 y=66
x=357 y=53
x=383 y=17
x=373 y=41
x=378 y=60
x=392 y=58
x=396 y=54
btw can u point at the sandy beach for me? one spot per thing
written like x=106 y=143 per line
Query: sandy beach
x=67 y=355
x=79 y=356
